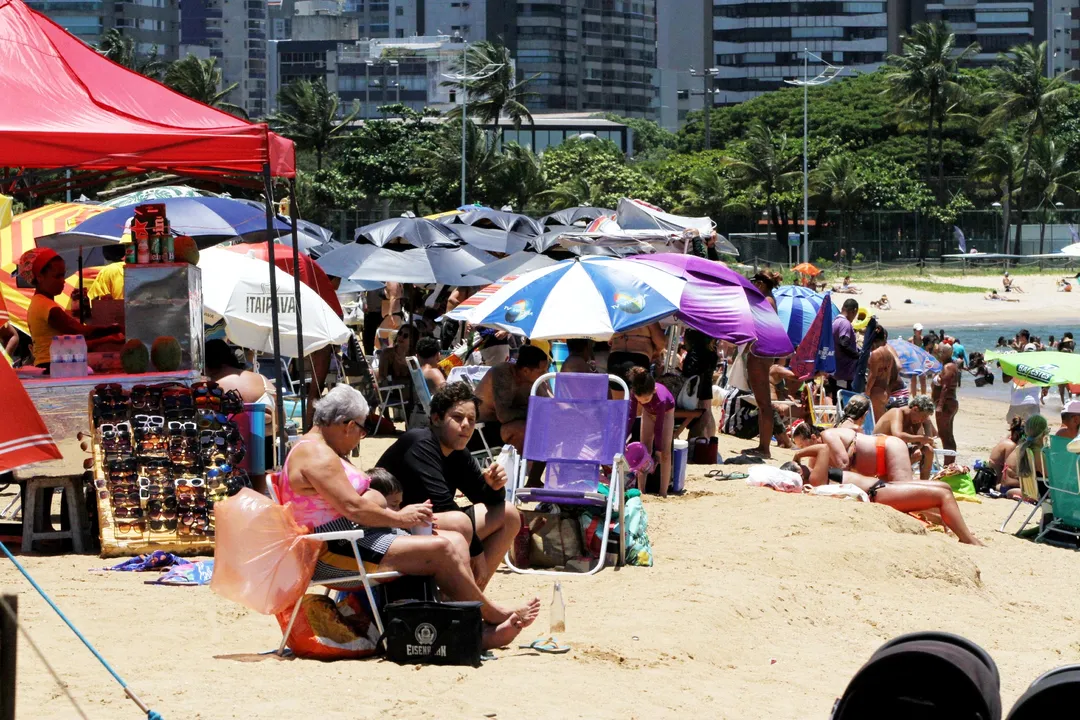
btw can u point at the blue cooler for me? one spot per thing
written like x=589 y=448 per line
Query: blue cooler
x=679 y=456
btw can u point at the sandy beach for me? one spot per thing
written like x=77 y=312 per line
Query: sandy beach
x=759 y=605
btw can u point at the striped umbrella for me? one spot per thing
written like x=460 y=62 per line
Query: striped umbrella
x=797 y=308
x=914 y=361
x=24 y=438
x=21 y=235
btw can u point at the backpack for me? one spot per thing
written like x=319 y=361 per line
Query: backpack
x=927 y=675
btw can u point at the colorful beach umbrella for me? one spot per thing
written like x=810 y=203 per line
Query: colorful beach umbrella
x=24 y=438
x=593 y=297
x=516 y=264
x=1044 y=368
x=208 y=220
x=723 y=304
x=806 y=269
x=165 y=192
x=914 y=361
x=817 y=351
x=310 y=273
x=797 y=308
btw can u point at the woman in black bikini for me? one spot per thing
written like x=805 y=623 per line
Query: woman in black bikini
x=900 y=493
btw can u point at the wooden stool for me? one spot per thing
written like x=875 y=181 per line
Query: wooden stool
x=34 y=493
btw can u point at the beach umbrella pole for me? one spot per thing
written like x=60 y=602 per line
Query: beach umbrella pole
x=82 y=310
x=275 y=326
x=293 y=213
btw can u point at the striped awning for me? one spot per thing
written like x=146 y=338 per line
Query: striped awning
x=25 y=228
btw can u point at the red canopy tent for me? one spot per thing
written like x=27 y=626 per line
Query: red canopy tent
x=69 y=107
x=66 y=106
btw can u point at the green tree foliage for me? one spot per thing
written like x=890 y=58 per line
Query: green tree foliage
x=602 y=167
x=496 y=93
x=650 y=140
x=1050 y=181
x=122 y=50
x=201 y=80
x=767 y=165
x=311 y=116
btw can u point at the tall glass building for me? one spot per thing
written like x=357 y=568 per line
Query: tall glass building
x=758 y=45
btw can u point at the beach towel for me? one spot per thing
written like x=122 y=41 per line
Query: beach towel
x=844 y=491
x=155 y=561
x=188 y=574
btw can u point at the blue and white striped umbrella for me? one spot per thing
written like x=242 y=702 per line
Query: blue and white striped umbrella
x=590 y=297
x=797 y=307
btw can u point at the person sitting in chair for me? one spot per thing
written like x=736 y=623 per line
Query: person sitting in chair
x=432 y=464
x=504 y=396
x=427 y=354
x=579 y=357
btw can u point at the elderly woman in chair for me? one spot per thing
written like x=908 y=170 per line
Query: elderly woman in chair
x=328 y=494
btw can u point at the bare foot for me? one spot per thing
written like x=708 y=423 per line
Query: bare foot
x=496 y=636
x=527 y=614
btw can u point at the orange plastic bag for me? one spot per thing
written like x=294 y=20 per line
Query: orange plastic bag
x=260 y=557
x=327 y=631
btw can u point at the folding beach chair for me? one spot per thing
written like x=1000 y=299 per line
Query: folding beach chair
x=361 y=579
x=1029 y=493
x=386 y=393
x=1064 y=488
x=820 y=414
x=869 y=421
x=576 y=432
x=421 y=393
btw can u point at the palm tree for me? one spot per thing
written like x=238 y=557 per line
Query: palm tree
x=706 y=193
x=497 y=93
x=1000 y=163
x=201 y=80
x=311 y=116
x=837 y=183
x=518 y=176
x=925 y=83
x=443 y=161
x=1021 y=93
x=1050 y=180
x=575 y=192
x=122 y=50
x=764 y=162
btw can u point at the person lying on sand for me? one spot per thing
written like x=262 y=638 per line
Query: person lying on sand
x=993 y=295
x=882 y=304
x=879 y=464
x=847 y=287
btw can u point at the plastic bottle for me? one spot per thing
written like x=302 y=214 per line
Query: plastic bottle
x=142 y=254
x=56 y=349
x=79 y=351
x=558 y=610
x=67 y=354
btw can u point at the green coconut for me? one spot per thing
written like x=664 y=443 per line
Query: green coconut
x=135 y=358
x=166 y=354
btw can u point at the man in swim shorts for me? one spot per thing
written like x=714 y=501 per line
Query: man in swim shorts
x=914 y=426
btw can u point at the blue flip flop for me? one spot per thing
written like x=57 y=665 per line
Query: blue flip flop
x=547 y=645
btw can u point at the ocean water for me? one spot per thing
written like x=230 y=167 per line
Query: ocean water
x=983 y=337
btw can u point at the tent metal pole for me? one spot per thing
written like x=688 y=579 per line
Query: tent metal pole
x=297 y=280
x=275 y=326
x=82 y=302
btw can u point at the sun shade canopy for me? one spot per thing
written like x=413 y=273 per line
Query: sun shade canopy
x=69 y=107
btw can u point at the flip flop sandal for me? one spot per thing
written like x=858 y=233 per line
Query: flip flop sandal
x=721 y=475
x=547 y=645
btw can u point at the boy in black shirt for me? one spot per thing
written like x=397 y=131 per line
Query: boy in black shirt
x=432 y=464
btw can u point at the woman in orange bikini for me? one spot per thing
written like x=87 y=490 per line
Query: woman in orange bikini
x=879 y=466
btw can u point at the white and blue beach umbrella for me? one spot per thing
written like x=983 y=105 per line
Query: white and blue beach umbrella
x=590 y=297
x=797 y=307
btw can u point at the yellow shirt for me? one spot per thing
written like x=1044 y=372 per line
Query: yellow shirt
x=108 y=283
x=5 y=316
x=41 y=332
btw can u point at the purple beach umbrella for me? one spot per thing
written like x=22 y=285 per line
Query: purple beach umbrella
x=723 y=304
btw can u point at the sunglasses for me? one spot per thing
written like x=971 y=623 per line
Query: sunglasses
x=118 y=465
x=163 y=524
x=130 y=526
x=176 y=426
x=108 y=388
x=150 y=421
x=127 y=512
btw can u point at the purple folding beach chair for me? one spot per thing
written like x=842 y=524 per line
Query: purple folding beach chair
x=575 y=432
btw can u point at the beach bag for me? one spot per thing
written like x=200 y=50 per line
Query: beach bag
x=929 y=675
x=985 y=478
x=638 y=547
x=553 y=539
x=327 y=631
x=704 y=451
x=1049 y=695
x=433 y=633
x=260 y=557
x=687 y=398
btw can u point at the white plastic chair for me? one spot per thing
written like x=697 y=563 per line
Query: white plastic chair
x=386 y=394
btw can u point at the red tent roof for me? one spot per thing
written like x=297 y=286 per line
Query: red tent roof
x=67 y=106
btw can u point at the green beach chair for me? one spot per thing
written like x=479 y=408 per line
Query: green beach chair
x=1064 y=488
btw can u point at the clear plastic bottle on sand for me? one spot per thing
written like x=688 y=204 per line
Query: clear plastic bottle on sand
x=558 y=610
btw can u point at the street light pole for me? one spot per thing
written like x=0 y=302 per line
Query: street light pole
x=826 y=75
x=463 y=78
x=707 y=76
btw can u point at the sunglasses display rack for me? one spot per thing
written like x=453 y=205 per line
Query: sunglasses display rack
x=163 y=455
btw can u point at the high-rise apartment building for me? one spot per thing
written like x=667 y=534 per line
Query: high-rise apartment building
x=996 y=25
x=151 y=23
x=758 y=45
x=683 y=43
x=235 y=31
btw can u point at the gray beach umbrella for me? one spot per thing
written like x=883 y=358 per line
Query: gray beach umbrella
x=497 y=219
x=421 y=266
x=494 y=240
x=417 y=232
x=516 y=264
x=575 y=216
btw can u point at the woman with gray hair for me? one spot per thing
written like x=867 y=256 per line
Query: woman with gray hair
x=329 y=495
